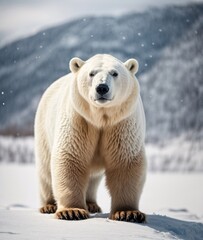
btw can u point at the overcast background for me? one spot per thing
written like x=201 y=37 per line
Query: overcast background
x=25 y=17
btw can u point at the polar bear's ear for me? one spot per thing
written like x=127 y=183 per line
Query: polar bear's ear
x=75 y=64
x=132 y=65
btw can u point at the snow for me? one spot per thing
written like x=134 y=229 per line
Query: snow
x=24 y=224
x=172 y=201
x=168 y=157
x=18 y=150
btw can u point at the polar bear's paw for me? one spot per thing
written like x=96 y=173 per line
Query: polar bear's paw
x=93 y=207
x=129 y=216
x=72 y=214
x=49 y=208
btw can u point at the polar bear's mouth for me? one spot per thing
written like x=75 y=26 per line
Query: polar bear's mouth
x=102 y=100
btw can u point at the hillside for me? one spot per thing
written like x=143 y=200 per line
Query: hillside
x=167 y=43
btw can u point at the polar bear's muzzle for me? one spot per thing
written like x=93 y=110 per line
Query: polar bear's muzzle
x=102 y=94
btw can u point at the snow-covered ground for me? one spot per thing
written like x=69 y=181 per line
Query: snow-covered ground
x=173 y=202
x=24 y=225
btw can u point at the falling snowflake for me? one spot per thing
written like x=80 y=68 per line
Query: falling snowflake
x=139 y=34
x=142 y=45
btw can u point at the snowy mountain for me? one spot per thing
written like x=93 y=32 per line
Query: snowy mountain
x=168 y=44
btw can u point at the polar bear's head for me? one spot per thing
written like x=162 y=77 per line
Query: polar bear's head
x=104 y=81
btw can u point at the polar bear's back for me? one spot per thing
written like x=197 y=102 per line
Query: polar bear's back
x=48 y=108
x=52 y=92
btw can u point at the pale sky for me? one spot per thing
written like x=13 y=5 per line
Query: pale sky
x=20 y=18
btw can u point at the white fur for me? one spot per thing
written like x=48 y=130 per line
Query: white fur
x=78 y=136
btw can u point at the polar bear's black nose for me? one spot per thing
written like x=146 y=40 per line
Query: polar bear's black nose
x=102 y=89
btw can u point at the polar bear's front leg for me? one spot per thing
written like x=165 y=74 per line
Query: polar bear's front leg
x=125 y=184
x=72 y=152
x=69 y=180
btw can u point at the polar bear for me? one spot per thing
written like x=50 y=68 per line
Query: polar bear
x=89 y=123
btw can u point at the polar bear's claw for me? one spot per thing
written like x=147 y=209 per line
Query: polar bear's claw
x=129 y=216
x=93 y=207
x=49 y=208
x=72 y=214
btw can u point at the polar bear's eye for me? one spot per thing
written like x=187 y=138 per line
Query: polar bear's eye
x=114 y=74
x=92 y=74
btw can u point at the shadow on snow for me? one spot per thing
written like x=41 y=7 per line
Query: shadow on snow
x=182 y=229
